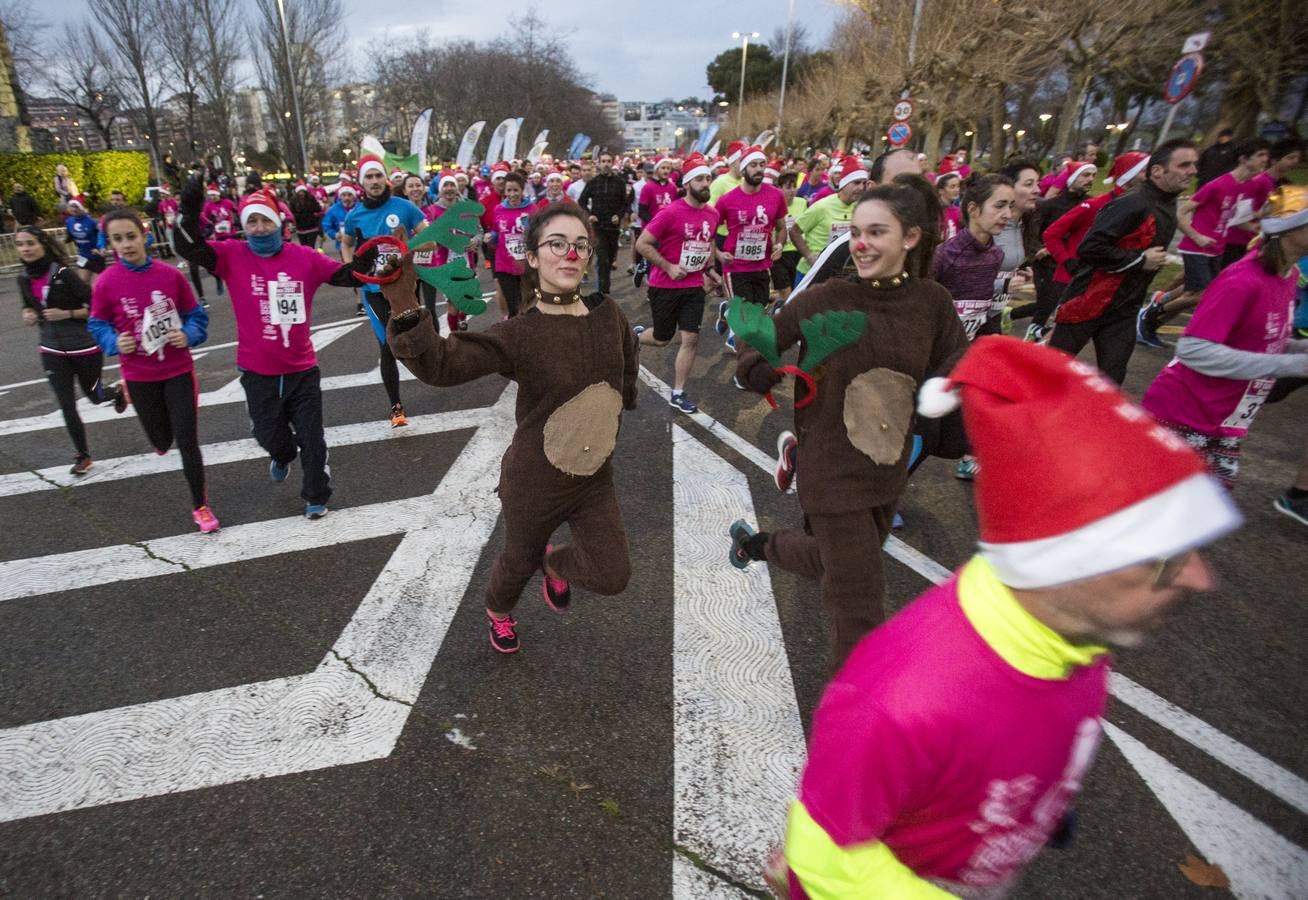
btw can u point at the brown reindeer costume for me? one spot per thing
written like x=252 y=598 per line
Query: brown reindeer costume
x=575 y=375
x=855 y=436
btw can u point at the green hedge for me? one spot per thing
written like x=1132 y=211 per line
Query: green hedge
x=96 y=174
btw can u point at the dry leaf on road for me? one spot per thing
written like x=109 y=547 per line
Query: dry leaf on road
x=1203 y=873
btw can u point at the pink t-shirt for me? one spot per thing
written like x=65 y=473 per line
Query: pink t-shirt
x=1249 y=202
x=1214 y=204
x=219 y=215
x=821 y=194
x=438 y=255
x=168 y=209
x=272 y=338
x=928 y=741
x=685 y=238
x=1246 y=309
x=146 y=305
x=751 y=219
x=655 y=196
x=510 y=225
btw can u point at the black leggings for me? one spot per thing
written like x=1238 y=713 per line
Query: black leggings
x=167 y=410
x=62 y=372
x=195 y=280
x=307 y=238
x=390 y=372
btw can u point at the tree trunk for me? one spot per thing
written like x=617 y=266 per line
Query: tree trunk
x=998 y=137
x=1078 y=83
x=935 y=131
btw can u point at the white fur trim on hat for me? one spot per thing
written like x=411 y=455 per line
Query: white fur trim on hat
x=1189 y=514
x=444 y=178
x=347 y=187
x=263 y=209
x=1079 y=170
x=1130 y=173
x=1282 y=224
x=848 y=178
x=554 y=176
x=750 y=157
x=688 y=176
x=937 y=398
x=367 y=165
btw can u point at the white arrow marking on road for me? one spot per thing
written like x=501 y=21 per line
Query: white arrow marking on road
x=351 y=708
x=218 y=454
x=228 y=393
x=738 y=739
x=1258 y=861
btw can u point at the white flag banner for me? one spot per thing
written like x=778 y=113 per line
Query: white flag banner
x=370 y=144
x=496 y=149
x=511 y=140
x=418 y=140
x=537 y=151
x=542 y=137
x=764 y=138
x=468 y=144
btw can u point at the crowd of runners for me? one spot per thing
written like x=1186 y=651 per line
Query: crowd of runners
x=898 y=284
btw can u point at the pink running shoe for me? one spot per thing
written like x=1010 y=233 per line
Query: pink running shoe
x=558 y=594
x=503 y=633
x=205 y=518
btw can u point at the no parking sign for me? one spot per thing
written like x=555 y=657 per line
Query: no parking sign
x=899 y=134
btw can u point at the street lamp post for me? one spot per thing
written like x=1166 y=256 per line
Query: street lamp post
x=295 y=94
x=785 y=65
x=744 y=54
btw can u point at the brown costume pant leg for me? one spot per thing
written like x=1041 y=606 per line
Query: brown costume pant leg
x=843 y=551
x=596 y=560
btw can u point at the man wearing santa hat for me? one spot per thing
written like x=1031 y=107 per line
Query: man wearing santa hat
x=272 y=283
x=1117 y=261
x=949 y=749
x=380 y=213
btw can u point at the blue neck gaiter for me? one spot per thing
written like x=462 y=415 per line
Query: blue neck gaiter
x=143 y=267
x=265 y=244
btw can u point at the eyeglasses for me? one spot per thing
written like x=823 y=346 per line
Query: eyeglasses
x=1167 y=569
x=559 y=247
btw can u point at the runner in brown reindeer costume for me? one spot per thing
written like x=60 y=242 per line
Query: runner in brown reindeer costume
x=575 y=362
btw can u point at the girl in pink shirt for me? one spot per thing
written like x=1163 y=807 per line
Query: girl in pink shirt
x=143 y=310
x=1237 y=344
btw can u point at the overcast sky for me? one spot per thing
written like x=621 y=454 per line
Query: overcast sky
x=638 y=51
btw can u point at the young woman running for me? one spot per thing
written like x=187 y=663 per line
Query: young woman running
x=575 y=361
x=56 y=299
x=855 y=433
x=968 y=265
x=143 y=311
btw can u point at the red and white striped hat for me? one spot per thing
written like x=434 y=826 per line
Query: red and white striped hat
x=264 y=202
x=1087 y=517
x=368 y=162
x=851 y=170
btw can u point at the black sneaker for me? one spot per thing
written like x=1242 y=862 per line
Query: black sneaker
x=120 y=398
x=503 y=633
x=642 y=269
x=740 y=534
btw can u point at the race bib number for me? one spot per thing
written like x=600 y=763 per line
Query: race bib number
x=695 y=255
x=222 y=227
x=1254 y=397
x=516 y=246
x=837 y=229
x=790 y=222
x=973 y=315
x=160 y=318
x=423 y=257
x=286 y=302
x=751 y=246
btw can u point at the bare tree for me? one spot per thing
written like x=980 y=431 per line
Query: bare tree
x=129 y=27
x=87 y=79
x=313 y=28
x=182 y=55
x=220 y=49
x=1261 y=48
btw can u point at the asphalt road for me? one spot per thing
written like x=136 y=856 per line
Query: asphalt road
x=292 y=709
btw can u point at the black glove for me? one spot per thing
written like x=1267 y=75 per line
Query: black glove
x=191 y=200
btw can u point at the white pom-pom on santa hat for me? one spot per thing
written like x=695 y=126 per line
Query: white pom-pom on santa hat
x=937 y=398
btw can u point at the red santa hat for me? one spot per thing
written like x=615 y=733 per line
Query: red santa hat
x=446 y=175
x=749 y=154
x=665 y=161
x=851 y=170
x=213 y=189
x=694 y=166
x=347 y=188
x=734 y=150
x=554 y=176
x=369 y=162
x=1076 y=170
x=1127 y=166
x=397 y=172
x=1029 y=408
x=773 y=171
x=264 y=202
x=301 y=186
x=499 y=170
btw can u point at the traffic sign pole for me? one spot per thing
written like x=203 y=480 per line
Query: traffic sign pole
x=1181 y=81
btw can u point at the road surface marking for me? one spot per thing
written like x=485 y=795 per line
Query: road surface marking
x=738 y=740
